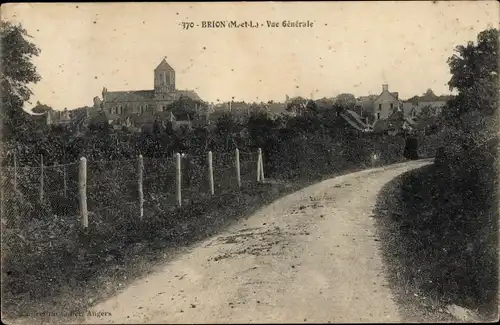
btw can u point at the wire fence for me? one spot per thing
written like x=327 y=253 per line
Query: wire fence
x=120 y=190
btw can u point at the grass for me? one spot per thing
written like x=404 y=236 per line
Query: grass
x=71 y=270
x=439 y=240
x=85 y=268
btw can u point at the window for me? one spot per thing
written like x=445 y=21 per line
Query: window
x=378 y=116
x=164 y=108
x=392 y=106
x=380 y=106
x=120 y=110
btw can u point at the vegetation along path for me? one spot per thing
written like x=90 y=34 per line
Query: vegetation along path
x=311 y=256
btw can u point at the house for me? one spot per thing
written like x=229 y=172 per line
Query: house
x=379 y=106
x=428 y=102
x=386 y=103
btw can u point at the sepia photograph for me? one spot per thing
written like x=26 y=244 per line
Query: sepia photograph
x=249 y=162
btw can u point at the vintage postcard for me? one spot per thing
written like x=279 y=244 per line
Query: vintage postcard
x=249 y=162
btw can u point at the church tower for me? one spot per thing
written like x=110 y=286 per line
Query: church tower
x=164 y=79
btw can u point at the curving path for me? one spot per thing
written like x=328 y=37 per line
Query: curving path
x=311 y=256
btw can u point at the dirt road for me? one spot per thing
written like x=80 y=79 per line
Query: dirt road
x=311 y=256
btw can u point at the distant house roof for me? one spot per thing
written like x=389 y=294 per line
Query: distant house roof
x=435 y=104
x=366 y=102
x=129 y=96
x=164 y=66
x=187 y=93
x=147 y=95
x=429 y=99
x=393 y=94
x=357 y=118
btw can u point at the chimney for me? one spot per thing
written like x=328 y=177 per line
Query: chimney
x=385 y=87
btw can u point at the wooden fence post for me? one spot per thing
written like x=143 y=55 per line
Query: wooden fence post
x=140 y=168
x=179 y=179
x=2 y=196
x=261 y=166
x=238 y=174
x=210 y=173
x=15 y=174
x=41 y=179
x=82 y=184
x=65 y=177
x=65 y=181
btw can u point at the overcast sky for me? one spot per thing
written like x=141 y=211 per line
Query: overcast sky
x=352 y=47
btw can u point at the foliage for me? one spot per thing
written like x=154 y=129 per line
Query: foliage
x=346 y=100
x=185 y=108
x=41 y=108
x=467 y=162
x=17 y=73
x=474 y=70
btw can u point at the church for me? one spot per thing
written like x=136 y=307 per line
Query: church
x=138 y=107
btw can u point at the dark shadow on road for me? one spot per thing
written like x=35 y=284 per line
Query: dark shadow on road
x=439 y=242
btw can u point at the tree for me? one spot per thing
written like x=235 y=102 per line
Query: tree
x=345 y=100
x=184 y=108
x=17 y=73
x=41 y=108
x=296 y=105
x=429 y=94
x=471 y=114
x=474 y=70
x=325 y=103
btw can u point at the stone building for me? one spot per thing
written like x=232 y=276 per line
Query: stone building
x=380 y=106
x=386 y=103
x=138 y=107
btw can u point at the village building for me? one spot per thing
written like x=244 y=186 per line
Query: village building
x=135 y=108
x=429 y=102
x=381 y=106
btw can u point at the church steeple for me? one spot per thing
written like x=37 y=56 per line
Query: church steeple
x=164 y=78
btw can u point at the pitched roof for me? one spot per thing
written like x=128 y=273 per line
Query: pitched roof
x=129 y=96
x=142 y=95
x=358 y=119
x=429 y=99
x=187 y=93
x=395 y=95
x=366 y=102
x=164 y=66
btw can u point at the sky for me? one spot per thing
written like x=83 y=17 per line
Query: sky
x=353 y=47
